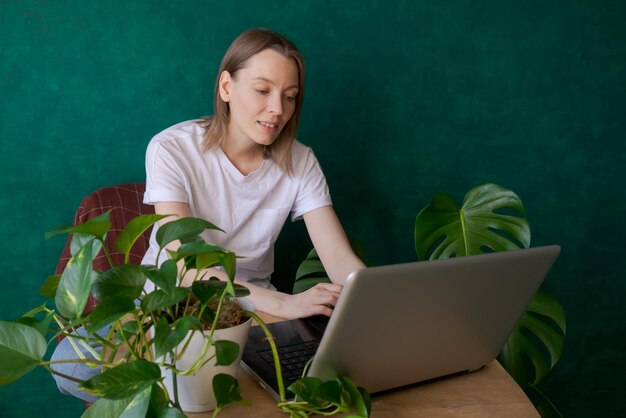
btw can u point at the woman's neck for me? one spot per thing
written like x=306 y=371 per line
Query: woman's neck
x=246 y=158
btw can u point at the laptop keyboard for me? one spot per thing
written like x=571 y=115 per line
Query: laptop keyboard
x=292 y=359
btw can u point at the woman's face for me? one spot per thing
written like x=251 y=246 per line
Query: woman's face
x=262 y=97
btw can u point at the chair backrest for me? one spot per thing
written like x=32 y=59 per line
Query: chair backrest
x=125 y=202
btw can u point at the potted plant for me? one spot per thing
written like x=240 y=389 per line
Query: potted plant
x=150 y=332
x=232 y=325
x=157 y=342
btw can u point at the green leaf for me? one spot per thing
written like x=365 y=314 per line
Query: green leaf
x=126 y=280
x=169 y=271
x=123 y=381
x=229 y=263
x=161 y=300
x=208 y=259
x=206 y=290
x=312 y=255
x=167 y=336
x=49 y=287
x=75 y=284
x=311 y=271
x=40 y=325
x=546 y=305
x=109 y=310
x=128 y=330
x=308 y=267
x=197 y=247
x=163 y=278
x=302 y=285
x=21 y=349
x=225 y=352
x=96 y=227
x=536 y=343
x=158 y=402
x=542 y=403
x=133 y=230
x=360 y=400
x=182 y=229
x=82 y=240
x=329 y=391
x=305 y=388
x=491 y=219
x=132 y=407
x=240 y=290
x=367 y=403
x=226 y=391
x=42 y=308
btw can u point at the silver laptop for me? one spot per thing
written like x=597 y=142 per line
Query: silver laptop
x=407 y=323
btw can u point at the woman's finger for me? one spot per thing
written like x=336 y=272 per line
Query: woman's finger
x=331 y=287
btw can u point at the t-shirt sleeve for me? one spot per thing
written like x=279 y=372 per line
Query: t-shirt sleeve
x=313 y=190
x=165 y=181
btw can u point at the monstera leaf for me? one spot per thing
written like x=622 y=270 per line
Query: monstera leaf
x=536 y=344
x=311 y=270
x=491 y=219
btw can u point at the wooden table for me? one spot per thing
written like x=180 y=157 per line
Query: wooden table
x=489 y=392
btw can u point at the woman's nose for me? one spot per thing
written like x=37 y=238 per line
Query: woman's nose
x=276 y=104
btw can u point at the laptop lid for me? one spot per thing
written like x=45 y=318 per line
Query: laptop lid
x=401 y=324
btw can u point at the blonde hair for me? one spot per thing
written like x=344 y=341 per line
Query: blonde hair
x=248 y=44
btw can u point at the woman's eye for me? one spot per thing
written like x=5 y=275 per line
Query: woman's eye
x=262 y=92
x=290 y=98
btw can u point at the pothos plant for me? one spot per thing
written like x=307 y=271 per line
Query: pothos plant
x=490 y=219
x=314 y=396
x=147 y=331
x=144 y=326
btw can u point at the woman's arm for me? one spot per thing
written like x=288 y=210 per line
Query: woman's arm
x=312 y=302
x=331 y=244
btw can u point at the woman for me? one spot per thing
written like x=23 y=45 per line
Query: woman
x=243 y=170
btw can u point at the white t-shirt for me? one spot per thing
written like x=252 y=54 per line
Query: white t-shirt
x=251 y=209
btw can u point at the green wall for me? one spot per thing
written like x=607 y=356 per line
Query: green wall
x=404 y=99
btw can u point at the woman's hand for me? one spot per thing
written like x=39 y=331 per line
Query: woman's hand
x=317 y=300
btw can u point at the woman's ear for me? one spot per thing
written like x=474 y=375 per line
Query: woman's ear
x=224 y=85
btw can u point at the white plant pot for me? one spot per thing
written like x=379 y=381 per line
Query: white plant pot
x=195 y=392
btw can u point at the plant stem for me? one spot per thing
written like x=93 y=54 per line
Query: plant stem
x=217 y=312
x=131 y=348
x=143 y=340
x=270 y=340
x=301 y=406
x=72 y=378
x=199 y=361
x=156 y=262
x=215 y=412
x=165 y=392
x=74 y=360
x=78 y=352
x=175 y=386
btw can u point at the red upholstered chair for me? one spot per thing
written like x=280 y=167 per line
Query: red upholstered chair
x=125 y=202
